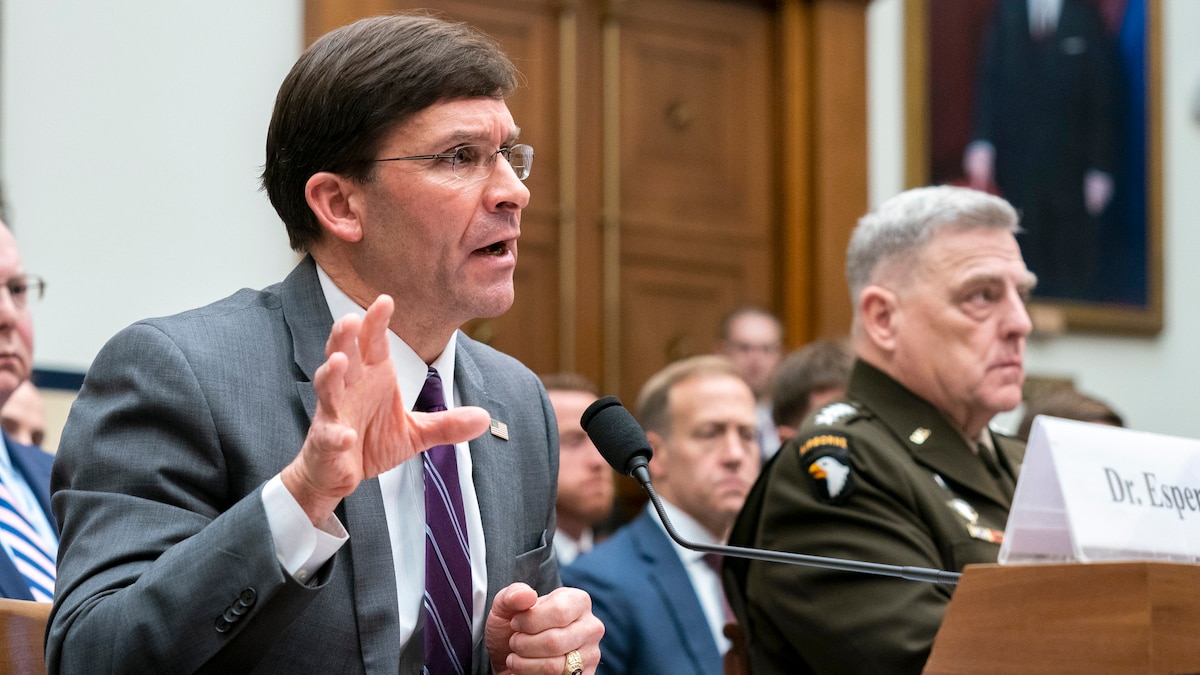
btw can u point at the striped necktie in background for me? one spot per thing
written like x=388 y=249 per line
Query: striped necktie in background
x=447 y=552
x=33 y=557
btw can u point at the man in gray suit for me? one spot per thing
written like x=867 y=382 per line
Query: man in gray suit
x=196 y=539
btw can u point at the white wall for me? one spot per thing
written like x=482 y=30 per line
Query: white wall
x=133 y=135
x=1152 y=381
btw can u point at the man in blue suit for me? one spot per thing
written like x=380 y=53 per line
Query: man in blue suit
x=28 y=536
x=662 y=605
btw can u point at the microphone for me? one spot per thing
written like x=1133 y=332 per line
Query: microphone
x=622 y=442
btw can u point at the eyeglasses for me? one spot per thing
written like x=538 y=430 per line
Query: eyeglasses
x=475 y=162
x=25 y=287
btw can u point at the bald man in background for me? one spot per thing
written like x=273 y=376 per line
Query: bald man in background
x=752 y=338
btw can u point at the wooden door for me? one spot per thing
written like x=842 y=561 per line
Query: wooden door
x=692 y=229
x=653 y=194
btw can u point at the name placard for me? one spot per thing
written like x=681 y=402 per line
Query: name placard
x=1089 y=492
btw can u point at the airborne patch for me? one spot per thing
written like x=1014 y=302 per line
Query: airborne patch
x=825 y=439
x=826 y=460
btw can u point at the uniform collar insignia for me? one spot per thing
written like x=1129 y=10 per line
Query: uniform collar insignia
x=834 y=412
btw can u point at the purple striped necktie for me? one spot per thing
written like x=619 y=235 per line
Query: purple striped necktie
x=447 y=552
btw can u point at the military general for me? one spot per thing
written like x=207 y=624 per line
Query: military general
x=904 y=470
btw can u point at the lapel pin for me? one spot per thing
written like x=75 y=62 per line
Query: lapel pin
x=499 y=430
x=920 y=435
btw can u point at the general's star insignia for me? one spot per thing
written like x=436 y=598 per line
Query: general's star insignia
x=834 y=412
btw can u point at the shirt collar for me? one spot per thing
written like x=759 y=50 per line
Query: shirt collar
x=6 y=464
x=688 y=528
x=410 y=369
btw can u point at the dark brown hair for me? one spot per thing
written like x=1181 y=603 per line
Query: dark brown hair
x=1067 y=403
x=818 y=366
x=357 y=83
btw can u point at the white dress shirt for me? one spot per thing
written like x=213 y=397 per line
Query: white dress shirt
x=768 y=435
x=705 y=581
x=302 y=548
x=567 y=548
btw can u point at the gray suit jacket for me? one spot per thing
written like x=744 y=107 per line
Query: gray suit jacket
x=167 y=562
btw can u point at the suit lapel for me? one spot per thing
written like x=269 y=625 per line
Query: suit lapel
x=374 y=577
x=307 y=316
x=492 y=461
x=670 y=578
x=34 y=465
x=12 y=583
x=25 y=462
x=369 y=552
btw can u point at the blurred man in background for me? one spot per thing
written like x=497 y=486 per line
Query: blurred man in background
x=753 y=339
x=662 y=605
x=23 y=417
x=28 y=533
x=806 y=380
x=585 y=480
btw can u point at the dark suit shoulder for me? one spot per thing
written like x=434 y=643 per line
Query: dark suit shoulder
x=609 y=559
x=28 y=455
x=615 y=576
x=623 y=564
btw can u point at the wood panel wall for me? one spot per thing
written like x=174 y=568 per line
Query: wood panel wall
x=692 y=155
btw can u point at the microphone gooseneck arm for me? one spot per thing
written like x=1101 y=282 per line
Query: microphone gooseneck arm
x=623 y=443
x=904 y=572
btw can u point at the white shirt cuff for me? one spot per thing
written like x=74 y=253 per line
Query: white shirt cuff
x=300 y=546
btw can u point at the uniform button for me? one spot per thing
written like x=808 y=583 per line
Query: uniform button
x=222 y=625
x=248 y=596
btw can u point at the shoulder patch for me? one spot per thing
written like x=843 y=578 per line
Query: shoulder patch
x=826 y=460
x=834 y=412
x=834 y=440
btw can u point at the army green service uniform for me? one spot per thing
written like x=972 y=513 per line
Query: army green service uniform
x=882 y=477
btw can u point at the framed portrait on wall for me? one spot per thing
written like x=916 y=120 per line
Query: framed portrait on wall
x=1052 y=104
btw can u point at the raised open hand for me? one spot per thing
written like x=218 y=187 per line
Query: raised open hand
x=361 y=427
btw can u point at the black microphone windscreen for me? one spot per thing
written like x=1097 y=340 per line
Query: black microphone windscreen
x=617 y=436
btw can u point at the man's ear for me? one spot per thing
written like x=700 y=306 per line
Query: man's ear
x=657 y=462
x=336 y=201
x=878 y=310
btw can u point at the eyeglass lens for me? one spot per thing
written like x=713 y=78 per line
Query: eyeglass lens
x=25 y=287
x=476 y=161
